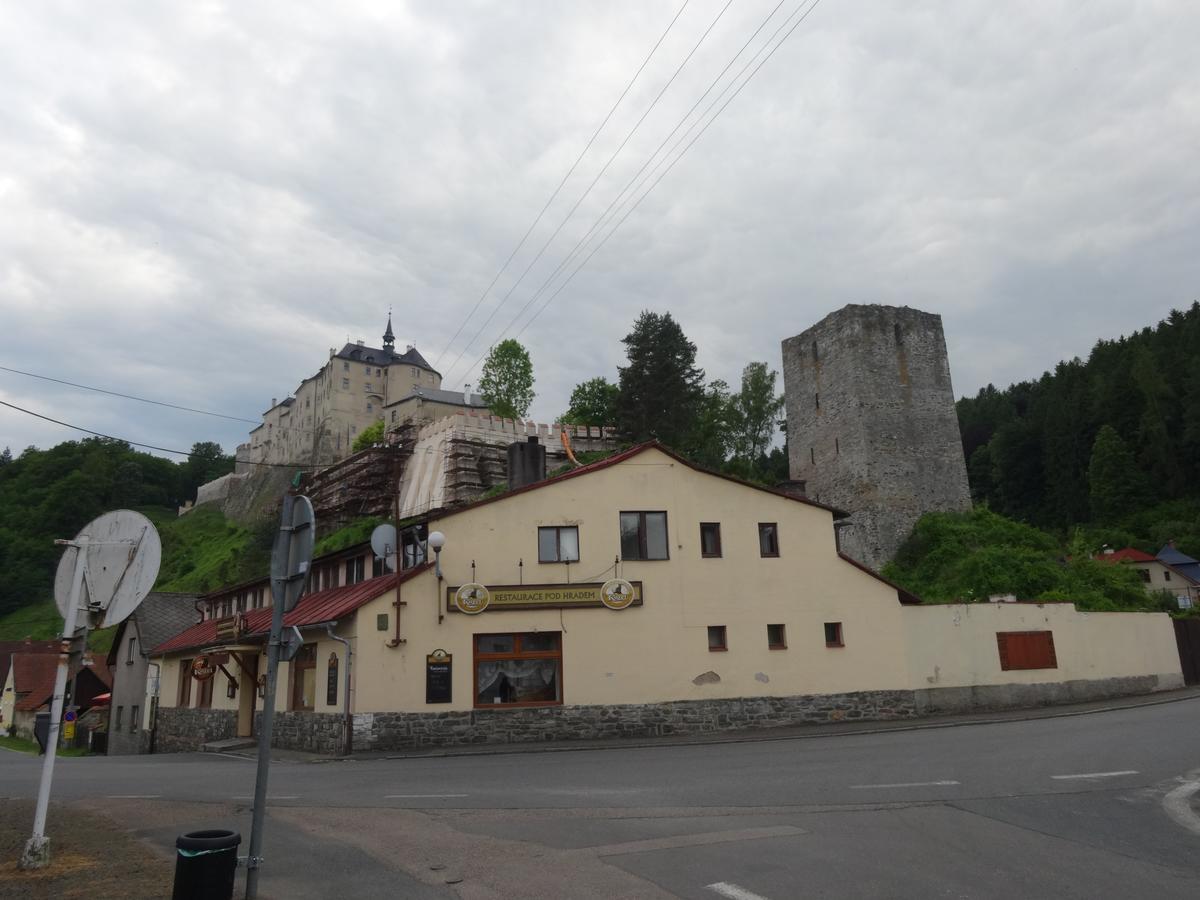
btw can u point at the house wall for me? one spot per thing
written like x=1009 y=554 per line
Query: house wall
x=128 y=691
x=8 y=701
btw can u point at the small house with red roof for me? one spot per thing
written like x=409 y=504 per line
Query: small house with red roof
x=639 y=595
x=1158 y=574
x=29 y=687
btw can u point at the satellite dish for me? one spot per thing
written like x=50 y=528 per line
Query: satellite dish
x=383 y=543
x=122 y=556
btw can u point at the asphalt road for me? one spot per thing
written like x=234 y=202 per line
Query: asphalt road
x=1101 y=805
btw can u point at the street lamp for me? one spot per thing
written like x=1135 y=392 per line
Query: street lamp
x=437 y=541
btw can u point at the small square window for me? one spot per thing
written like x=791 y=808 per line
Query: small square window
x=1166 y=575
x=776 y=637
x=644 y=535
x=833 y=634
x=710 y=539
x=345 y=384
x=558 y=543
x=716 y=638
x=381 y=622
x=768 y=539
x=345 y=366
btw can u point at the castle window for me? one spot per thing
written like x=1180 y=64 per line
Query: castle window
x=368 y=368
x=814 y=351
x=345 y=366
x=896 y=331
x=369 y=407
x=393 y=415
x=812 y=456
x=415 y=373
x=345 y=384
x=368 y=387
x=837 y=447
x=379 y=372
x=817 y=400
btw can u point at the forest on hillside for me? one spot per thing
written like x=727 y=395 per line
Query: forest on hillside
x=49 y=494
x=1110 y=444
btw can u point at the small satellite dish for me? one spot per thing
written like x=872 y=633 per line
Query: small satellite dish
x=123 y=553
x=383 y=543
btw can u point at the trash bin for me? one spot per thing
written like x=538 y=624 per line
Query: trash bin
x=205 y=863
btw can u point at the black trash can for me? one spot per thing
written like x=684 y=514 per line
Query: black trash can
x=205 y=863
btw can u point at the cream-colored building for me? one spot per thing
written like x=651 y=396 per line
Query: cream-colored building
x=358 y=386
x=742 y=613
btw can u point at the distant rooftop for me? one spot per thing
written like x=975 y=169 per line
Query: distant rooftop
x=383 y=356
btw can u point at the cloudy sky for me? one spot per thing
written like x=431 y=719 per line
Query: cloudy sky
x=198 y=200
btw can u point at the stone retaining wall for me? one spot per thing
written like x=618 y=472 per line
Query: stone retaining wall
x=179 y=730
x=187 y=729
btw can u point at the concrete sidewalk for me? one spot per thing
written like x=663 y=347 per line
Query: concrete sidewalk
x=783 y=733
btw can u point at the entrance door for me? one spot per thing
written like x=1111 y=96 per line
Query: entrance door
x=247 y=692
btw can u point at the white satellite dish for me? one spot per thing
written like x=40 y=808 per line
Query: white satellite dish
x=123 y=553
x=383 y=543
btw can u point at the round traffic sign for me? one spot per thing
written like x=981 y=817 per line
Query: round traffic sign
x=69 y=716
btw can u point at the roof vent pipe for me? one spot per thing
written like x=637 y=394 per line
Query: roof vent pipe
x=467 y=394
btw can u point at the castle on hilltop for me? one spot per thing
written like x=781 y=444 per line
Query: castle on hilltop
x=357 y=387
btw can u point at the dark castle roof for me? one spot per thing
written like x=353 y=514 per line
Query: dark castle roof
x=383 y=357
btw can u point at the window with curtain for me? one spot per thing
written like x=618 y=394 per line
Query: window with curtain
x=518 y=669
x=558 y=543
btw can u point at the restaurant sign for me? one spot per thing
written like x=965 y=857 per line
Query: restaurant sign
x=616 y=594
x=203 y=668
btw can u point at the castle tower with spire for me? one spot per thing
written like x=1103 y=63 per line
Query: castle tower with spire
x=358 y=386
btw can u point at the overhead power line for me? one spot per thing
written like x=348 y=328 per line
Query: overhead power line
x=88 y=387
x=100 y=434
x=802 y=14
x=570 y=172
x=599 y=175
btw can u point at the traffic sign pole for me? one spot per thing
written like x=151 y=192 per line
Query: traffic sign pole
x=37 y=848
x=289 y=569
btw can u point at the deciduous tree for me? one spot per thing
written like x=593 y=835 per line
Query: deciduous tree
x=507 y=380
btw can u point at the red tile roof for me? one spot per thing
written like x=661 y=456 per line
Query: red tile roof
x=33 y=677
x=313 y=609
x=1125 y=554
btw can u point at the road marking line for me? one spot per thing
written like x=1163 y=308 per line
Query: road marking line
x=733 y=891
x=272 y=797
x=421 y=796
x=133 y=796
x=698 y=840
x=904 y=784
x=1096 y=775
x=1178 y=806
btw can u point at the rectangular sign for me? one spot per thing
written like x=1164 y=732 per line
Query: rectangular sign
x=544 y=596
x=438 y=678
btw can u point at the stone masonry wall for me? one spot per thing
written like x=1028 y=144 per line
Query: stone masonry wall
x=181 y=730
x=871 y=423
x=398 y=731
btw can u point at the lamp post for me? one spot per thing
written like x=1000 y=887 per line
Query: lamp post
x=437 y=541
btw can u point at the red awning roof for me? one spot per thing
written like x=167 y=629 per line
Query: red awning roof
x=313 y=609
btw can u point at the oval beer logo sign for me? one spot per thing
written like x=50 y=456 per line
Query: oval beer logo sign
x=617 y=593
x=202 y=668
x=472 y=598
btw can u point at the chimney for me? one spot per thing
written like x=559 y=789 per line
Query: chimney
x=467 y=394
x=359 y=342
x=410 y=348
x=273 y=401
x=526 y=463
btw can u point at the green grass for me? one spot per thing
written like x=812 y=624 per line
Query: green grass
x=356 y=532
x=38 y=621
x=19 y=744
x=203 y=551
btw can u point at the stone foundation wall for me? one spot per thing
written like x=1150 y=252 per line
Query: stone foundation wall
x=180 y=730
x=187 y=729
x=398 y=731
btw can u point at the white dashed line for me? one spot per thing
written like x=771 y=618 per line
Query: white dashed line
x=422 y=796
x=133 y=796
x=904 y=784
x=733 y=891
x=1095 y=775
x=275 y=797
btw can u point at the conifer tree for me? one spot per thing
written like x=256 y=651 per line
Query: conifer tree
x=1118 y=487
x=661 y=390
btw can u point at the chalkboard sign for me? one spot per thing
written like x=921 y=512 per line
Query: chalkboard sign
x=331 y=683
x=437 y=677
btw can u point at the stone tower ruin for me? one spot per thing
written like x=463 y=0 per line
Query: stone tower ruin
x=871 y=423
